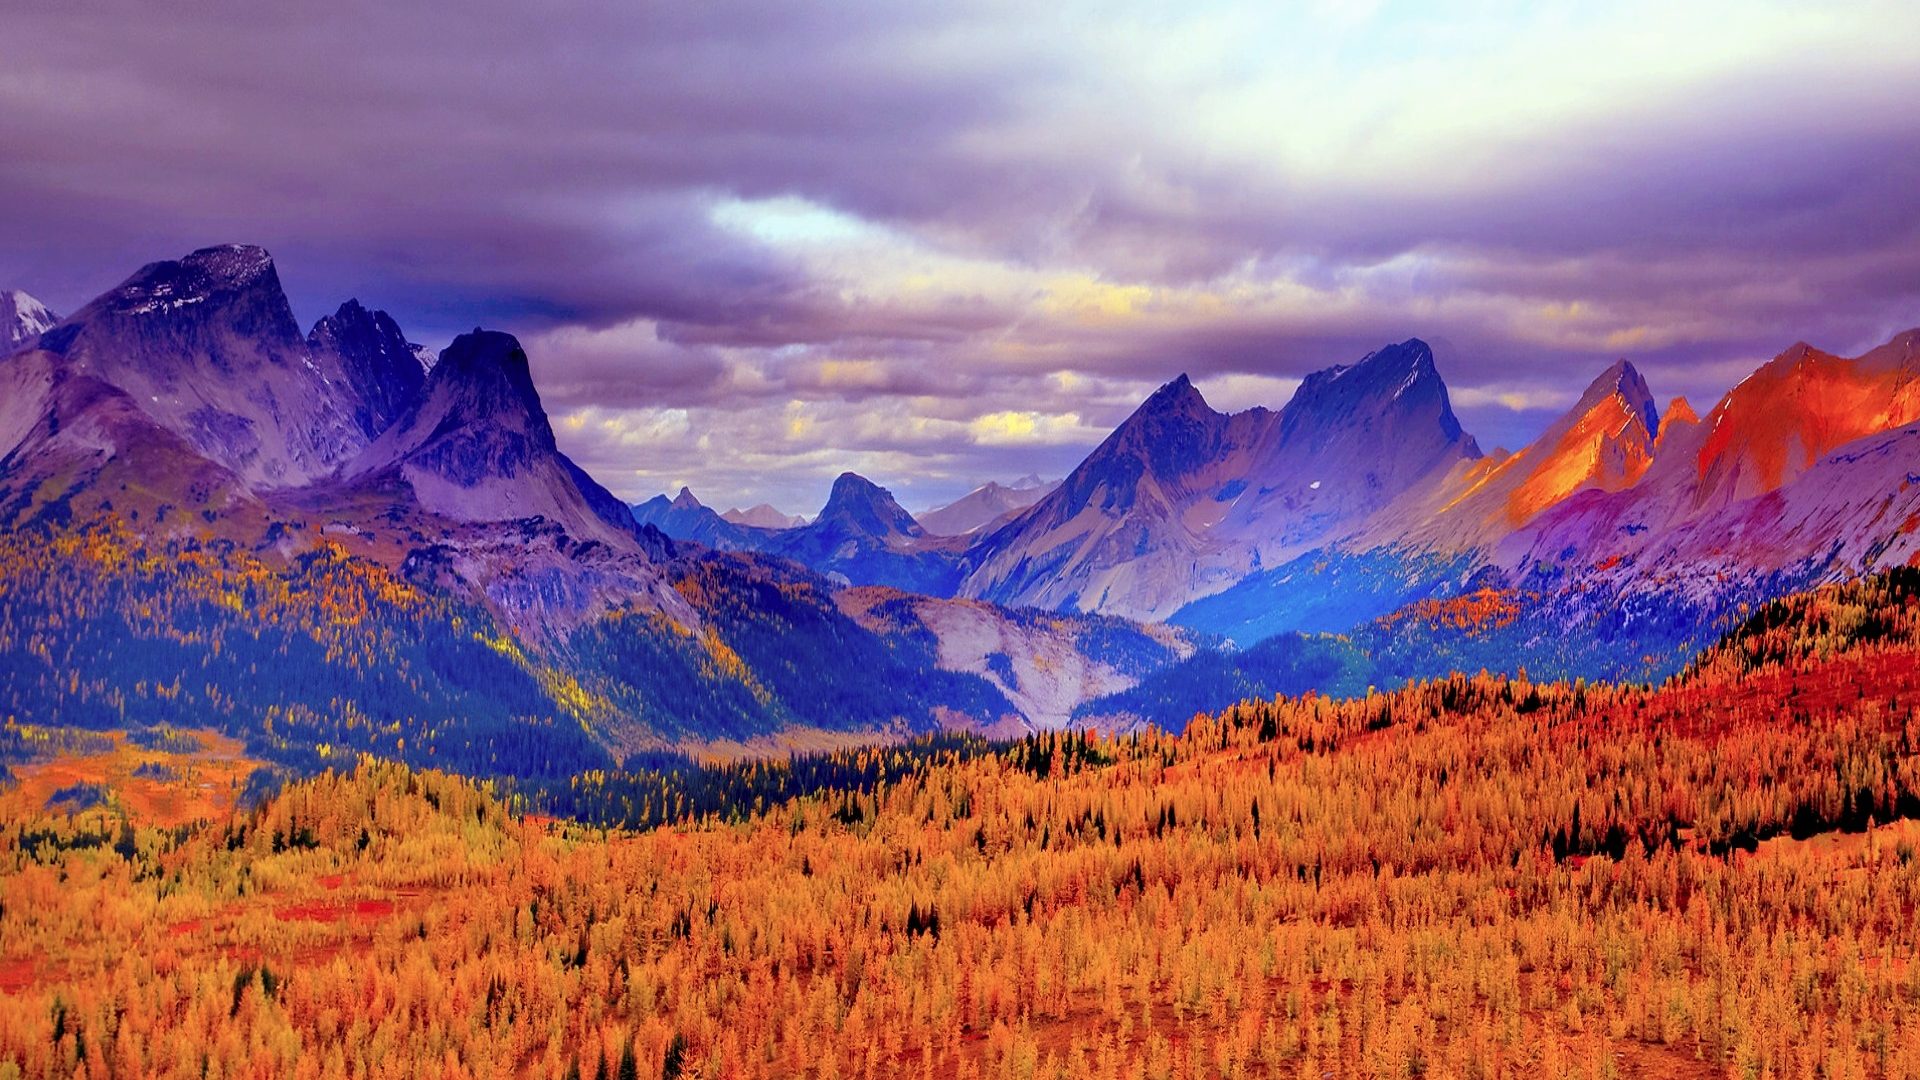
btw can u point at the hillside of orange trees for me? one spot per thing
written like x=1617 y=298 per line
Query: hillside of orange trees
x=1471 y=877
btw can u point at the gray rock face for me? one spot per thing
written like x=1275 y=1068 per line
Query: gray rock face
x=381 y=369
x=207 y=346
x=475 y=445
x=1182 y=501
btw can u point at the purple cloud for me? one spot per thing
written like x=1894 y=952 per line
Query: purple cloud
x=893 y=224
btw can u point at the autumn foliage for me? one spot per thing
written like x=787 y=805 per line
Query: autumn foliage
x=1471 y=877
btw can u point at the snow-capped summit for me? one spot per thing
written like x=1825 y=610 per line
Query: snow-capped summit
x=22 y=318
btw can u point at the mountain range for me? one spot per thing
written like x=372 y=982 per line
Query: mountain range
x=183 y=424
x=323 y=543
x=1622 y=537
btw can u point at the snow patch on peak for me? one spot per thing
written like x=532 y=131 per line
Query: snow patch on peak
x=22 y=318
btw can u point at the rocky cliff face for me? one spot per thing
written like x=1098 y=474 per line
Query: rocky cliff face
x=1606 y=441
x=1182 y=501
x=380 y=369
x=475 y=445
x=207 y=346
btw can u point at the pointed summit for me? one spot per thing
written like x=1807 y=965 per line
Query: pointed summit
x=475 y=445
x=480 y=392
x=1622 y=380
x=1605 y=441
x=684 y=517
x=380 y=367
x=1679 y=415
x=22 y=318
x=1178 y=394
x=1352 y=439
x=858 y=505
x=863 y=537
x=1399 y=381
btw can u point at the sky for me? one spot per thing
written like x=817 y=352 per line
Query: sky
x=750 y=246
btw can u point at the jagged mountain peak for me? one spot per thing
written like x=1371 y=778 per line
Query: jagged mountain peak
x=367 y=350
x=22 y=318
x=685 y=500
x=196 y=278
x=1624 y=381
x=1399 y=381
x=475 y=445
x=1401 y=363
x=867 y=508
x=1679 y=415
x=1176 y=391
x=207 y=346
x=1784 y=417
x=484 y=375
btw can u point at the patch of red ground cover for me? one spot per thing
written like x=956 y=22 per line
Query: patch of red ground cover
x=318 y=911
x=17 y=974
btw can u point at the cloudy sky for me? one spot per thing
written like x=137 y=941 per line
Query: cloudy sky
x=752 y=245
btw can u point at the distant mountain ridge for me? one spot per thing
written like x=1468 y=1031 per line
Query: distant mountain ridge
x=762 y=516
x=1363 y=493
x=984 y=507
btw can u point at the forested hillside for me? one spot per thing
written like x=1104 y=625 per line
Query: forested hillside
x=313 y=658
x=1474 y=876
